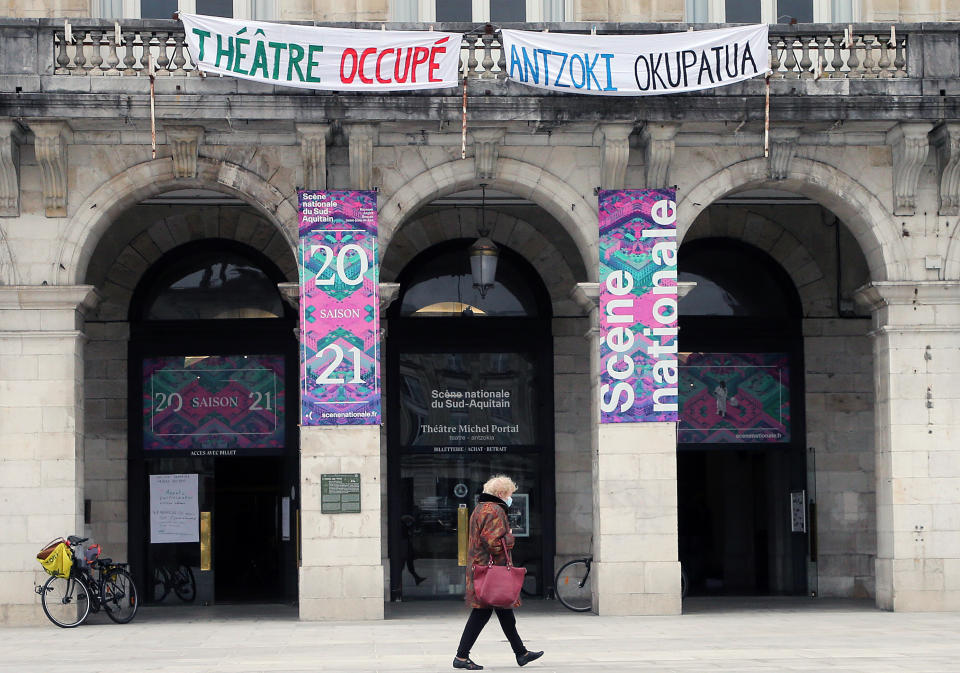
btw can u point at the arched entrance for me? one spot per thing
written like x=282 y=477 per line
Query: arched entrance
x=741 y=452
x=213 y=461
x=470 y=395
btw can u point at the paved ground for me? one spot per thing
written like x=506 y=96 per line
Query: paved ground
x=757 y=635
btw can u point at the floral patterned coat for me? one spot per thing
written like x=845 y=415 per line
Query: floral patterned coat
x=488 y=524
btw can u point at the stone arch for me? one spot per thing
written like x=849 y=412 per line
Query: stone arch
x=862 y=212
x=98 y=211
x=789 y=252
x=576 y=215
x=420 y=233
x=162 y=234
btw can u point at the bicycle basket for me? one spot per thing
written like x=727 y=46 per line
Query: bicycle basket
x=56 y=558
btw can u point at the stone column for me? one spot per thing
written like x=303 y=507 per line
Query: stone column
x=636 y=570
x=41 y=445
x=916 y=327
x=341 y=575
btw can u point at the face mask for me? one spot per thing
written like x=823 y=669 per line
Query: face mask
x=509 y=501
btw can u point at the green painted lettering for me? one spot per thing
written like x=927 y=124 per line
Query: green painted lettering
x=311 y=50
x=296 y=55
x=259 y=60
x=277 y=48
x=202 y=34
x=239 y=55
x=221 y=52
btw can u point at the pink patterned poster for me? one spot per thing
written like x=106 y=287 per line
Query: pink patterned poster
x=339 y=308
x=638 y=306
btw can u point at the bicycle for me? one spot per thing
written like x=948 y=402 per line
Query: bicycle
x=180 y=579
x=88 y=587
x=572 y=584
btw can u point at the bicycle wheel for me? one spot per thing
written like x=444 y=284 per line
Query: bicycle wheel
x=66 y=601
x=161 y=583
x=118 y=595
x=573 y=586
x=183 y=584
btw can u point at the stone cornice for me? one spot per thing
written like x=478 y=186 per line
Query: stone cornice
x=614 y=142
x=313 y=153
x=81 y=298
x=946 y=142
x=486 y=144
x=658 y=141
x=184 y=144
x=388 y=294
x=50 y=146
x=880 y=294
x=911 y=145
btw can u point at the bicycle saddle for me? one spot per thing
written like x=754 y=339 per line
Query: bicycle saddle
x=73 y=539
x=105 y=561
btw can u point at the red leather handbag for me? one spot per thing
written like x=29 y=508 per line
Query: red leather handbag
x=498 y=586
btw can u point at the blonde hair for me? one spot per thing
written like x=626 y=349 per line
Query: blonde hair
x=499 y=485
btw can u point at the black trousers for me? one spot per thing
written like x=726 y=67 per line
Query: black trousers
x=478 y=619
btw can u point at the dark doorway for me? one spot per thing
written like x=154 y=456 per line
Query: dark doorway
x=213 y=409
x=471 y=396
x=741 y=460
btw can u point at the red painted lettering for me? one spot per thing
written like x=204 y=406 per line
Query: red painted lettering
x=406 y=68
x=352 y=53
x=380 y=78
x=420 y=56
x=360 y=68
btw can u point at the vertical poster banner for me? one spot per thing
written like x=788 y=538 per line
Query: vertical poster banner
x=339 y=308
x=638 y=306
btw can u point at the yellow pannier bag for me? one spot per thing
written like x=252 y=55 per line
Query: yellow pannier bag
x=56 y=558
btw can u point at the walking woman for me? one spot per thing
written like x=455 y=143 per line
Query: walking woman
x=489 y=532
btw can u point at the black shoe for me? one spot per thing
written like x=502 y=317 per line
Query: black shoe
x=467 y=664
x=524 y=659
x=418 y=580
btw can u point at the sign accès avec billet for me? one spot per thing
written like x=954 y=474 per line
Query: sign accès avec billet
x=638 y=306
x=339 y=308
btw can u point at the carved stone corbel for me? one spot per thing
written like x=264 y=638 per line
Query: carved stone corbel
x=10 y=138
x=911 y=145
x=50 y=146
x=313 y=154
x=486 y=145
x=362 y=138
x=658 y=141
x=783 y=146
x=184 y=144
x=614 y=141
x=946 y=141
x=388 y=294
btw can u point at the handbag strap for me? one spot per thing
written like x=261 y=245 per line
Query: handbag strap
x=506 y=551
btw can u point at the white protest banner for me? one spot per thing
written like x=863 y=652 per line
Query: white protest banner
x=310 y=57
x=636 y=65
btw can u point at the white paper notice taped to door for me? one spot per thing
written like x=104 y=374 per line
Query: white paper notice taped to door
x=174 y=508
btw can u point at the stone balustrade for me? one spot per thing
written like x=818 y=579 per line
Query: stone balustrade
x=809 y=51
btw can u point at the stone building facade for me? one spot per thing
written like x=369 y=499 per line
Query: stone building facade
x=856 y=201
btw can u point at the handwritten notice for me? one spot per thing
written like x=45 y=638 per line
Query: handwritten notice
x=174 y=508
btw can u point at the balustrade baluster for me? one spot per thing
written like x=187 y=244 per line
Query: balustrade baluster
x=96 y=57
x=836 y=63
x=129 y=60
x=79 y=56
x=821 y=65
x=502 y=60
x=868 y=60
x=113 y=60
x=790 y=63
x=853 y=62
x=62 y=59
x=179 y=60
x=899 y=62
x=487 y=63
x=146 y=42
x=163 y=61
x=806 y=65
x=775 y=56
x=472 y=62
